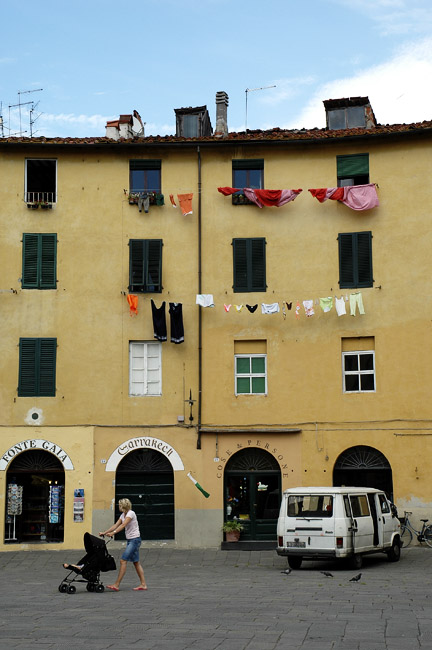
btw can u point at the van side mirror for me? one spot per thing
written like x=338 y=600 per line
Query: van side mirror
x=393 y=509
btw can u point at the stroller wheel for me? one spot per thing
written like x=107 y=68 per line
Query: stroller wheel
x=63 y=588
x=100 y=589
x=90 y=586
x=71 y=589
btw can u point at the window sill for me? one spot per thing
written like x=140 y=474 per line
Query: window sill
x=156 y=198
x=42 y=206
x=241 y=199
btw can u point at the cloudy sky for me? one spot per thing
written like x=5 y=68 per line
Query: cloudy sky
x=95 y=59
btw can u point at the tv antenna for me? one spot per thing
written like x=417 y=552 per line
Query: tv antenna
x=20 y=104
x=251 y=90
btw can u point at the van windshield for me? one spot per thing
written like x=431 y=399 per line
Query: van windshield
x=310 y=505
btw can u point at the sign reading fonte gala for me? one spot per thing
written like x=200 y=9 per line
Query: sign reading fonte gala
x=33 y=443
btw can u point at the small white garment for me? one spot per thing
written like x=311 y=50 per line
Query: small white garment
x=308 y=307
x=270 y=308
x=239 y=307
x=205 y=300
x=340 y=306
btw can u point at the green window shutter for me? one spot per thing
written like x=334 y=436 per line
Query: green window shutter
x=39 y=261
x=355 y=260
x=48 y=261
x=47 y=367
x=145 y=265
x=30 y=261
x=251 y=163
x=249 y=265
x=141 y=165
x=27 y=381
x=354 y=165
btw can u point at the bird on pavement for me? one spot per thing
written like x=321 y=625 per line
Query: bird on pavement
x=327 y=574
x=286 y=572
x=356 y=578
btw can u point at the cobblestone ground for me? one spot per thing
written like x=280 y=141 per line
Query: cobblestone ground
x=208 y=599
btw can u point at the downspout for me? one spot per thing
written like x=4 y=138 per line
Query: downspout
x=200 y=308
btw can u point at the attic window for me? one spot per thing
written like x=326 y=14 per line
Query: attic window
x=347 y=118
x=190 y=126
x=41 y=181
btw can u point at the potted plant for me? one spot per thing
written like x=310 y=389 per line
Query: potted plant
x=232 y=530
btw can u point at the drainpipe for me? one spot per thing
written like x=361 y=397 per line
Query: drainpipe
x=200 y=308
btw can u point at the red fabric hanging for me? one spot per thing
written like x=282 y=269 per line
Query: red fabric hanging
x=324 y=193
x=226 y=191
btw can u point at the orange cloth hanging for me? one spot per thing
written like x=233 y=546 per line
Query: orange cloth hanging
x=185 y=201
x=173 y=203
x=133 y=304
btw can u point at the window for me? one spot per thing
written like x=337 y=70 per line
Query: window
x=144 y=176
x=37 y=367
x=353 y=169
x=145 y=265
x=355 y=260
x=41 y=181
x=359 y=505
x=250 y=374
x=249 y=264
x=385 y=508
x=349 y=117
x=358 y=371
x=39 y=261
x=145 y=368
x=247 y=173
x=310 y=505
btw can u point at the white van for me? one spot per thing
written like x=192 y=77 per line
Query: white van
x=325 y=523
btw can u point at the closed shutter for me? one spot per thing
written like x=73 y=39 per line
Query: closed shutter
x=48 y=261
x=145 y=265
x=30 y=261
x=39 y=261
x=37 y=367
x=249 y=265
x=355 y=260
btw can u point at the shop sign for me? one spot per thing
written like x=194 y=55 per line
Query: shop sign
x=145 y=442
x=32 y=443
x=253 y=443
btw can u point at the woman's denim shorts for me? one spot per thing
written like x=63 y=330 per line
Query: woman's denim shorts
x=131 y=552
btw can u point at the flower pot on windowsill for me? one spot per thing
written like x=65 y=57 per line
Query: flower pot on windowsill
x=32 y=206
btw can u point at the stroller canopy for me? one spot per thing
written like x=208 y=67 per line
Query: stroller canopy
x=92 y=543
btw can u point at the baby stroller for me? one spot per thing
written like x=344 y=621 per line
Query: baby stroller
x=95 y=560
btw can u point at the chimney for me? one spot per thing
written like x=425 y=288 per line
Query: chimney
x=221 y=130
x=121 y=128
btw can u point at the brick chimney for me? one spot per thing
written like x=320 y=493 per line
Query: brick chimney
x=121 y=128
x=221 y=130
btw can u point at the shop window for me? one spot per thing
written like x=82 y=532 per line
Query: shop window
x=40 y=181
x=355 y=260
x=249 y=264
x=352 y=169
x=145 y=368
x=247 y=173
x=39 y=261
x=37 y=367
x=145 y=265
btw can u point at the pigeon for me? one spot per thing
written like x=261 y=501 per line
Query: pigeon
x=356 y=578
x=286 y=572
x=327 y=574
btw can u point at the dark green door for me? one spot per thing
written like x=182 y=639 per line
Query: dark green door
x=252 y=493
x=146 y=478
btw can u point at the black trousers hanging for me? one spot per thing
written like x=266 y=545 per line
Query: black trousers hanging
x=159 y=321
x=176 y=319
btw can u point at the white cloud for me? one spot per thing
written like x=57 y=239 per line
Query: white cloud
x=395 y=16
x=399 y=89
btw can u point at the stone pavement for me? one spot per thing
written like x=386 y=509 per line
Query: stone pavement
x=229 y=600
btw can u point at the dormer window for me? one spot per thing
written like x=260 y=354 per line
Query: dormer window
x=193 y=122
x=347 y=118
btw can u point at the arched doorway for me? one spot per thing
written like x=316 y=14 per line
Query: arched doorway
x=252 y=492
x=146 y=477
x=35 y=498
x=364 y=467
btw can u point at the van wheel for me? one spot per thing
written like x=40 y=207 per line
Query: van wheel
x=356 y=561
x=295 y=562
x=394 y=551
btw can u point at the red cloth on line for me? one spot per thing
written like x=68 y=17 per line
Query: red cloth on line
x=173 y=203
x=324 y=193
x=356 y=197
x=226 y=191
x=270 y=198
x=185 y=201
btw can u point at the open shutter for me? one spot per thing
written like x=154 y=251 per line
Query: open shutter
x=154 y=265
x=258 y=271
x=48 y=261
x=47 y=367
x=364 y=259
x=27 y=383
x=30 y=261
x=353 y=165
x=136 y=265
x=240 y=265
x=346 y=261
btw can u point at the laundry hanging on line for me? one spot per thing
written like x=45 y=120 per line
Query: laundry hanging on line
x=261 y=198
x=133 y=304
x=356 y=197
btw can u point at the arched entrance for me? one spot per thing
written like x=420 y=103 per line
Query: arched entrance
x=252 y=492
x=35 y=498
x=363 y=467
x=146 y=477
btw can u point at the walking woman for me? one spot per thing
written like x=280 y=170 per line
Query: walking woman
x=128 y=521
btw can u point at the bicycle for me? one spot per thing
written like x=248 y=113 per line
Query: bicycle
x=408 y=531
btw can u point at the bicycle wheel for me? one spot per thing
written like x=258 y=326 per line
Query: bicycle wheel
x=428 y=535
x=406 y=536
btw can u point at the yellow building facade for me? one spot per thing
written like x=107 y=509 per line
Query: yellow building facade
x=94 y=407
